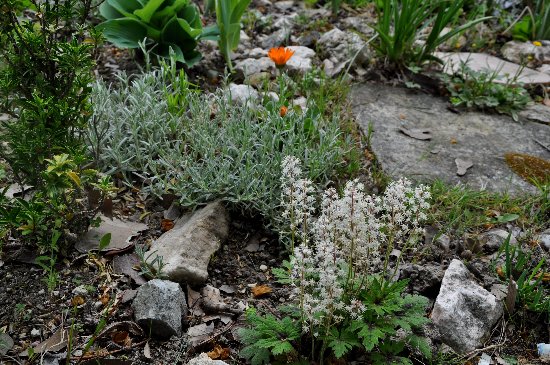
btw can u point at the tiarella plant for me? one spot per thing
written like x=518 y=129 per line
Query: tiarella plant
x=347 y=299
x=166 y=24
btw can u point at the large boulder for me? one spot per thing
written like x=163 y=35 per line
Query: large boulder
x=464 y=312
x=159 y=307
x=186 y=249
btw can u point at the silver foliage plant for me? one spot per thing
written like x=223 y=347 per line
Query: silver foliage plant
x=209 y=148
x=336 y=252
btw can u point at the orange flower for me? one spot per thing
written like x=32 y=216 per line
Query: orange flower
x=280 y=55
x=283 y=111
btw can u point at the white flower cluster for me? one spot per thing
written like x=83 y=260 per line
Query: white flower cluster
x=342 y=245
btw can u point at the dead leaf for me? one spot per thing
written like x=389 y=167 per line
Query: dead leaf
x=121 y=234
x=6 y=343
x=124 y=264
x=193 y=302
x=77 y=301
x=402 y=116
x=166 y=225
x=119 y=337
x=453 y=141
x=211 y=294
x=500 y=272
x=199 y=333
x=261 y=290
x=54 y=343
x=422 y=134
x=462 y=166
x=545 y=276
x=227 y=289
x=147 y=351
x=130 y=328
x=219 y=352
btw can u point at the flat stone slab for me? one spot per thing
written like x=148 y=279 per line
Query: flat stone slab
x=475 y=137
x=484 y=62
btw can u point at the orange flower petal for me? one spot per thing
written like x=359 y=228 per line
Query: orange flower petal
x=280 y=55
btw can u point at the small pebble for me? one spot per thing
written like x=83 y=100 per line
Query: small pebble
x=35 y=332
x=98 y=305
x=282 y=300
x=55 y=293
x=41 y=292
x=80 y=290
x=263 y=267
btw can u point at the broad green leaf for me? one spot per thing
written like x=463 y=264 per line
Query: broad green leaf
x=125 y=7
x=124 y=33
x=104 y=241
x=147 y=12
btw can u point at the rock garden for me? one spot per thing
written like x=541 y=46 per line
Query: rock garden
x=274 y=182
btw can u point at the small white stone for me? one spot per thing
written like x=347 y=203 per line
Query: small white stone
x=80 y=290
x=35 y=332
x=263 y=267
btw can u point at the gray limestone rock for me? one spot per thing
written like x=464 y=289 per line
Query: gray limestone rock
x=341 y=47
x=252 y=66
x=186 y=249
x=492 y=240
x=519 y=52
x=423 y=279
x=481 y=62
x=544 y=239
x=6 y=343
x=482 y=138
x=159 y=307
x=537 y=113
x=464 y=312
x=242 y=94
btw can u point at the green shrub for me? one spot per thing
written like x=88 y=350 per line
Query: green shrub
x=44 y=84
x=212 y=148
x=401 y=21
x=476 y=89
x=166 y=24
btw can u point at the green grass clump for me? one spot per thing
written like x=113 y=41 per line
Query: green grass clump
x=203 y=146
x=462 y=209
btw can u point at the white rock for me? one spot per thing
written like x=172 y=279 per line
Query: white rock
x=80 y=290
x=253 y=66
x=263 y=267
x=186 y=249
x=35 y=332
x=524 y=52
x=481 y=62
x=203 y=359
x=464 y=312
x=341 y=47
x=159 y=307
x=241 y=94
x=544 y=239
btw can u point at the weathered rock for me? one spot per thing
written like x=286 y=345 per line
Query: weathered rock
x=423 y=279
x=252 y=66
x=159 y=307
x=492 y=240
x=482 y=138
x=242 y=94
x=537 y=113
x=277 y=38
x=341 y=47
x=544 y=239
x=284 y=5
x=186 y=249
x=203 y=359
x=360 y=24
x=506 y=71
x=525 y=52
x=464 y=312
x=300 y=62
